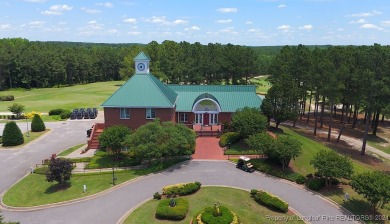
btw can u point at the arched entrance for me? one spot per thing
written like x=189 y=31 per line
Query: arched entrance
x=206 y=109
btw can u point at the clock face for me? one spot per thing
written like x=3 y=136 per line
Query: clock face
x=141 y=66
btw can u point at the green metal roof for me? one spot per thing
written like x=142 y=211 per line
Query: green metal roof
x=141 y=56
x=230 y=97
x=142 y=91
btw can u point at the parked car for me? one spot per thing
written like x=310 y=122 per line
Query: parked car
x=244 y=163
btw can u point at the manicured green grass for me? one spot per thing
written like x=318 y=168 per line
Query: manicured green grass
x=357 y=204
x=103 y=160
x=79 y=96
x=238 y=201
x=70 y=150
x=379 y=143
x=262 y=84
x=240 y=148
x=34 y=190
x=309 y=149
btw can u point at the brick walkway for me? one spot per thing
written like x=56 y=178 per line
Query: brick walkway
x=208 y=148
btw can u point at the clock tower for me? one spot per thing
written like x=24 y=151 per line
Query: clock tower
x=141 y=63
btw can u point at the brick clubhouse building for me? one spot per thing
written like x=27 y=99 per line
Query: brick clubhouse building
x=144 y=98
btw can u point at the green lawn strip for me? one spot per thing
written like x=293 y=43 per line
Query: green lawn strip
x=309 y=149
x=103 y=160
x=78 y=96
x=237 y=201
x=34 y=190
x=379 y=143
x=357 y=204
x=239 y=148
x=29 y=137
x=70 y=150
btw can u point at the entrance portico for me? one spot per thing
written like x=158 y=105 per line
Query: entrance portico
x=206 y=109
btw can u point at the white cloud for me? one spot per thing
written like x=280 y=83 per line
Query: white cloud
x=370 y=26
x=180 y=22
x=284 y=28
x=36 y=1
x=5 y=26
x=36 y=24
x=366 y=14
x=192 y=28
x=112 y=31
x=105 y=4
x=157 y=19
x=340 y=29
x=306 y=27
x=254 y=30
x=229 y=30
x=249 y=22
x=130 y=20
x=57 y=10
x=227 y=10
x=385 y=23
x=134 y=33
x=223 y=21
x=282 y=6
x=358 y=21
x=91 y=11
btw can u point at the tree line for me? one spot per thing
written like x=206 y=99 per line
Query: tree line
x=33 y=64
x=357 y=77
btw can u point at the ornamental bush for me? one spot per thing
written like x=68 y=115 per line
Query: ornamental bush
x=225 y=217
x=181 y=189
x=12 y=135
x=178 y=212
x=56 y=112
x=37 y=124
x=270 y=201
x=315 y=184
x=229 y=137
x=65 y=114
x=7 y=98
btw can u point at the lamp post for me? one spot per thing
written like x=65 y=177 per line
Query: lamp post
x=28 y=134
x=113 y=176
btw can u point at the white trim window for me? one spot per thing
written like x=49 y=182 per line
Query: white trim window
x=124 y=113
x=198 y=118
x=183 y=117
x=150 y=113
x=214 y=118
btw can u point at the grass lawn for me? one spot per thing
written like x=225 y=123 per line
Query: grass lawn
x=238 y=201
x=34 y=190
x=43 y=100
x=379 y=143
x=103 y=160
x=262 y=84
x=70 y=150
x=29 y=137
x=240 y=148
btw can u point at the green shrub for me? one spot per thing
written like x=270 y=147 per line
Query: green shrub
x=1 y=139
x=65 y=114
x=297 y=178
x=179 y=212
x=315 y=184
x=37 y=124
x=157 y=196
x=7 y=98
x=225 y=217
x=229 y=137
x=253 y=192
x=56 y=112
x=181 y=189
x=12 y=135
x=271 y=201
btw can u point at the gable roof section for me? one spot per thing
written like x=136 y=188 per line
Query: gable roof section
x=142 y=91
x=230 y=97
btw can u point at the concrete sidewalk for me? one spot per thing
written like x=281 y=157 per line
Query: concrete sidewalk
x=78 y=153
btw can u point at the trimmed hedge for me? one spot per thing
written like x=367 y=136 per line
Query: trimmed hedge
x=263 y=166
x=37 y=124
x=56 y=112
x=208 y=217
x=315 y=184
x=7 y=98
x=181 y=189
x=229 y=137
x=179 y=212
x=65 y=114
x=270 y=201
x=12 y=136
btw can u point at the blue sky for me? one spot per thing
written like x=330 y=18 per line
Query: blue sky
x=243 y=22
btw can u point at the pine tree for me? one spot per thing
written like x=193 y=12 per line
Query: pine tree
x=37 y=124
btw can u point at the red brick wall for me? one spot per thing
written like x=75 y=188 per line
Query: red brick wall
x=137 y=116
